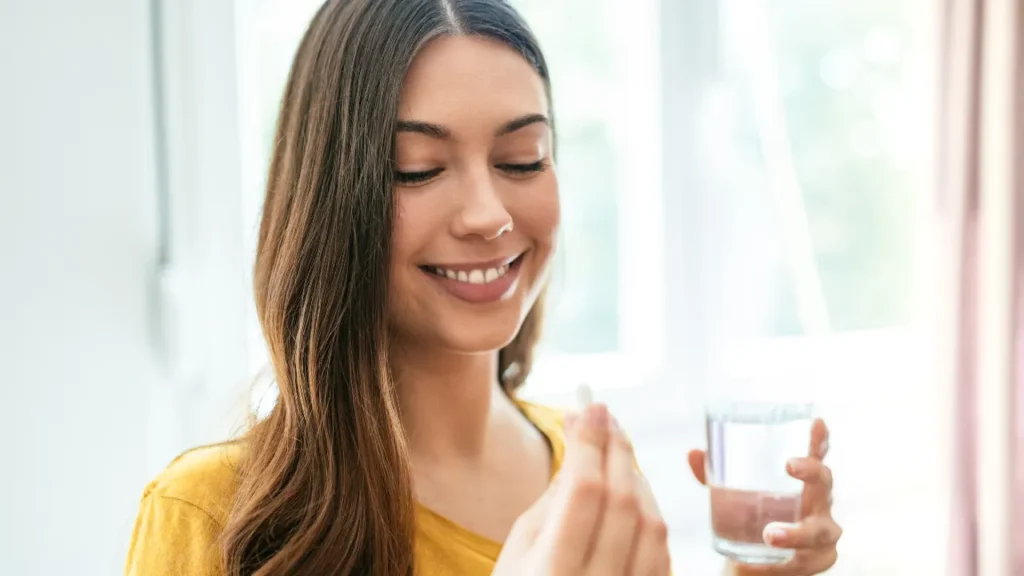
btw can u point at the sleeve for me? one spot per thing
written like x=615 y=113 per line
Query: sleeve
x=173 y=537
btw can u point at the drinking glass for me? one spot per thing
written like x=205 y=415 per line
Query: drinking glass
x=748 y=446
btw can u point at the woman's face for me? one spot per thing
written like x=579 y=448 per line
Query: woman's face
x=476 y=196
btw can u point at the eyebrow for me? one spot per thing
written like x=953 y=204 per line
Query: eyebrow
x=441 y=133
x=426 y=128
x=522 y=122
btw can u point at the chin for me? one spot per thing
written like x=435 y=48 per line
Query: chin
x=480 y=334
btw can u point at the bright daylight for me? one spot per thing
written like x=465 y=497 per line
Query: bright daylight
x=512 y=287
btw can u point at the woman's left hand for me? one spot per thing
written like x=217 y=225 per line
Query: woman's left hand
x=815 y=536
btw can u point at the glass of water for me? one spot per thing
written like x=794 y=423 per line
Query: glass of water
x=748 y=446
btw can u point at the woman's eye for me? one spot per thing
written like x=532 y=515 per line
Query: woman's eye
x=522 y=169
x=420 y=177
x=416 y=177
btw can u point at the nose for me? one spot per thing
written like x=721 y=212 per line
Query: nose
x=482 y=214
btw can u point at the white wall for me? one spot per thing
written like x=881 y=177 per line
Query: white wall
x=114 y=358
x=77 y=246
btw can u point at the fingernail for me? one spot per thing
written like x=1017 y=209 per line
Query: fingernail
x=597 y=416
x=795 y=465
x=823 y=449
x=774 y=532
x=613 y=423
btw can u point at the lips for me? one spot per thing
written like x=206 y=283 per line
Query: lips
x=479 y=282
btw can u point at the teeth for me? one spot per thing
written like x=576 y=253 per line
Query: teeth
x=482 y=276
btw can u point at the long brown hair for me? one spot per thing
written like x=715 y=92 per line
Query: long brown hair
x=325 y=486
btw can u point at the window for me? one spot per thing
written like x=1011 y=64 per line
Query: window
x=823 y=133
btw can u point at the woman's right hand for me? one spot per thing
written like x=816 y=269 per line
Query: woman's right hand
x=598 y=517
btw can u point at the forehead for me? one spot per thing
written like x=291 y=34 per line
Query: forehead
x=470 y=78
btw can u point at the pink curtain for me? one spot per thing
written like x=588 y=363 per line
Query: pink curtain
x=980 y=211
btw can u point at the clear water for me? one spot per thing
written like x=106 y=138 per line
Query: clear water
x=748 y=446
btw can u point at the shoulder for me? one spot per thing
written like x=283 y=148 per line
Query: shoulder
x=205 y=478
x=182 y=514
x=543 y=416
x=551 y=423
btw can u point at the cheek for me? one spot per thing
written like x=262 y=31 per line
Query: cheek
x=405 y=237
x=537 y=214
x=416 y=221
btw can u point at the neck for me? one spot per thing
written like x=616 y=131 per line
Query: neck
x=450 y=402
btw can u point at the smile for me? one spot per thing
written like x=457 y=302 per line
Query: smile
x=479 y=282
x=474 y=276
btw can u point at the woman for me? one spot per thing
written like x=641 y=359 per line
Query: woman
x=408 y=227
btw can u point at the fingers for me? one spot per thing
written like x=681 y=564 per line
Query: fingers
x=817 y=478
x=814 y=538
x=587 y=443
x=817 y=532
x=578 y=498
x=614 y=546
x=817 y=494
x=819 y=440
x=650 y=557
x=810 y=470
x=696 y=458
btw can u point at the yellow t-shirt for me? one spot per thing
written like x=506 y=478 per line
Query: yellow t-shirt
x=184 y=509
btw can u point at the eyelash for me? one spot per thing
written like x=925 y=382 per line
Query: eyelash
x=416 y=177
x=513 y=169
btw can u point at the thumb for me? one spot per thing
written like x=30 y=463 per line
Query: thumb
x=696 y=458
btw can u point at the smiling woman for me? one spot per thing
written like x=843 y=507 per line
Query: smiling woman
x=409 y=222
